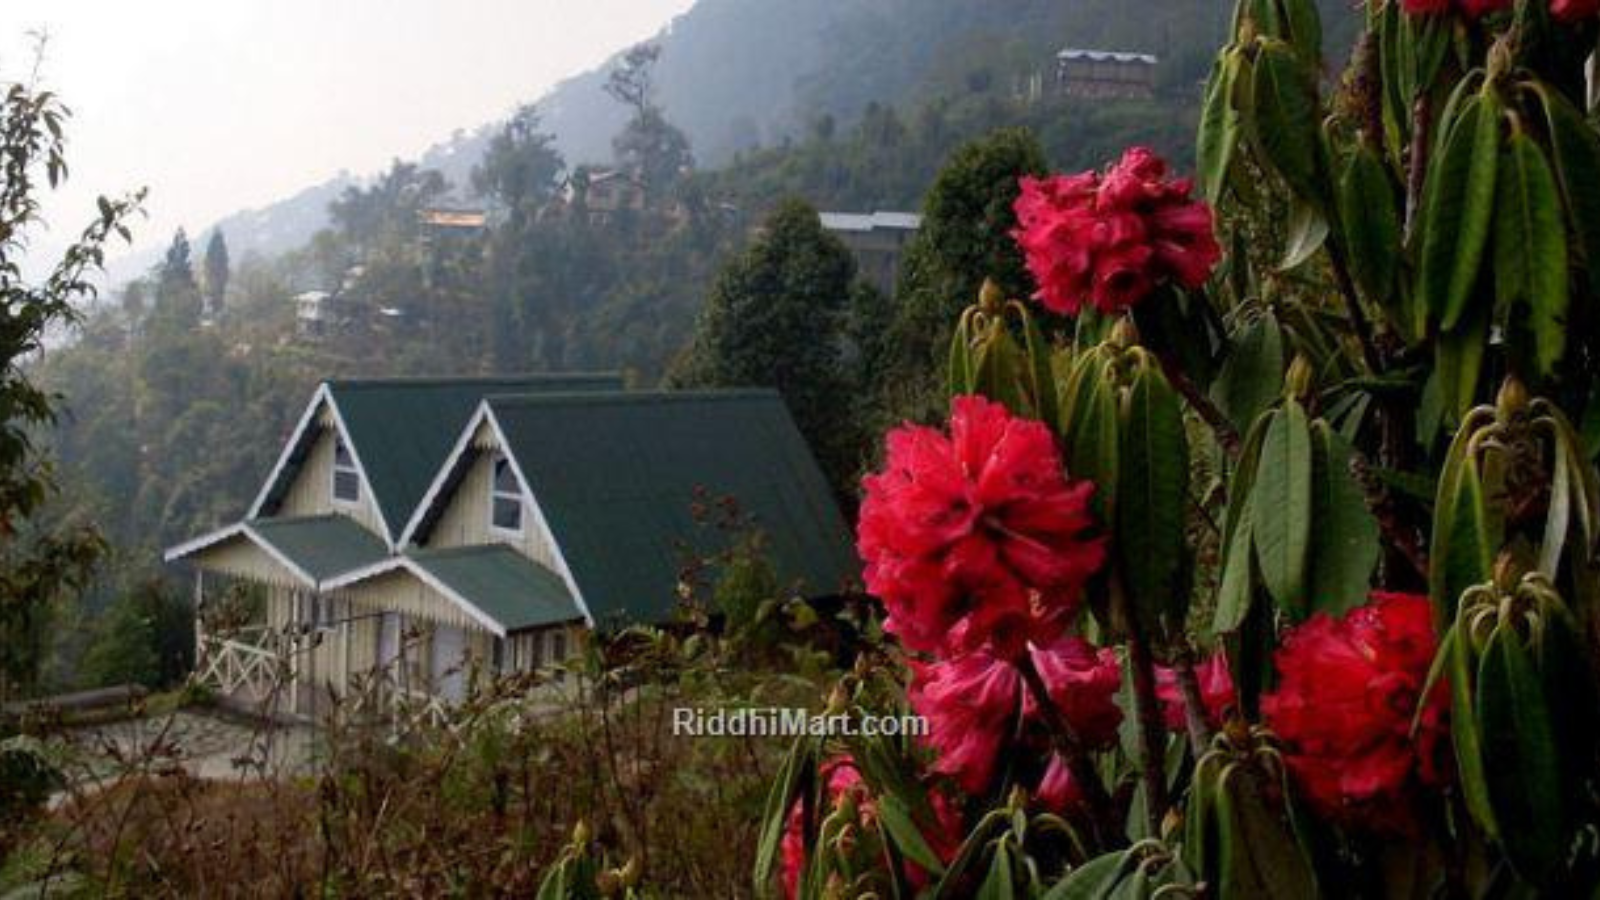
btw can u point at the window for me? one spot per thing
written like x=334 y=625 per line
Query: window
x=557 y=647
x=505 y=497
x=346 y=478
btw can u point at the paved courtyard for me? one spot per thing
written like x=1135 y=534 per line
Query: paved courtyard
x=207 y=745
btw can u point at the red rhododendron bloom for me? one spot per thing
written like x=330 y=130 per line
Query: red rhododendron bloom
x=1347 y=694
x=978 y=711
x=1110 y=239
x=976 y=536
x=1216 y=693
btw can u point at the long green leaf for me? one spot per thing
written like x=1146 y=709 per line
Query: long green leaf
x=793 y=776
x=1369 y=216
x=1287 y=122
x=1458 y=202
x=1530 y=247
x=1462 y=548
x=1521 y=760
x=1218 y=134
x=903 y=830
x=1280 y=508
x=1344 y=534
x=1090 y=431
x=1575 y=150
x=1464 y=731
x=1236 y=591
x=1251 y=378
x=1458 y=363
x=1152 y=498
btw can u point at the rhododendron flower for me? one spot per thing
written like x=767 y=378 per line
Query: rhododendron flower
x=842 y=779
x=1570 y=11
x=976 y=537
x=1216 y=693
x=1111 y=239
x=1347 y=694
x=979 y=711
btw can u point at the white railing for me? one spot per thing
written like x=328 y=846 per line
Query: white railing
x=244 y=665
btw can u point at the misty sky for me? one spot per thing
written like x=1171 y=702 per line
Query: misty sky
x=219 y=105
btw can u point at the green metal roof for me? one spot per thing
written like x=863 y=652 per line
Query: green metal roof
x=322 y=546
x=616 y=476
x=401 y=429
x=501 y=583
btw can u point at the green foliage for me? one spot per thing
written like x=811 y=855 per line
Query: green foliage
x=775 y=318
x=40 y=561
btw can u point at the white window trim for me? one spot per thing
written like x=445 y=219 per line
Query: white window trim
x=335 y=469
x=496 y=495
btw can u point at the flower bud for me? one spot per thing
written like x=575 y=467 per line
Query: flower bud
x=1512 y=400
x=990 y=297
x=1124 y=333
x=839 y=700
x=1297 y=384
x=580 y=834
x=630 y=873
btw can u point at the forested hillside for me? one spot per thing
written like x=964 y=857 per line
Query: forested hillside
x=180 y=392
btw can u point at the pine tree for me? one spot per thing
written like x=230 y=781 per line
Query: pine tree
x=776 y=318
x=216 y=272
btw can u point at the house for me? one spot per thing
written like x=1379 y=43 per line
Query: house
x=313 y=312
x=416 y=531
x=1097 y=74
x=877 y=240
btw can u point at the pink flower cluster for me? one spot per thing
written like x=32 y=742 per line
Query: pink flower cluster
x=1110 y=239
x=979 y=713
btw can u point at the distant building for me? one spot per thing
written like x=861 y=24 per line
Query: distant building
x=877 y=241
x=601 y=193
x=444 y=221
x=1104 y=73
x=313 y=313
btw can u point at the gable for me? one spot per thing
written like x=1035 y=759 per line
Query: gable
x=400 y=431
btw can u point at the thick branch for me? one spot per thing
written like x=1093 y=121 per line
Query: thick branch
x=1227 y=435
x=1194 y=707
x=1390 y=522
x=1073 y=753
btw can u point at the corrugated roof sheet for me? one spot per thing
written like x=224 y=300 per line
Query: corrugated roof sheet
x=843 y=221
x=616 y=476
x=504 y=585
x=1107 y=56
x=322 y=546
x=403 y=428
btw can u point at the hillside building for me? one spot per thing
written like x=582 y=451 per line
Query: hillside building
x=877 y=240
x=1097 y=74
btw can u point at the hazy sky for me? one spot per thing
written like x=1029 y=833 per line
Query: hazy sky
x=218 y=105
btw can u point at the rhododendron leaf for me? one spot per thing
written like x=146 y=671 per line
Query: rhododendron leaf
x=996 y=373
x=1461 y=551
x=1308 y=231
x=1344 y=534
x=1521 y=760
x=1252 y=375
x=1001 y=883
x=1219 y=126
x=1152 y=498
x=960 y=364
x=795 y=775
x=1369 y=217
x=1287 y=122
x=1090 y=430
x=1458 y=203
x=1304 y=29
x=1530 y=247
x=1041 y=383
x=1458 y=363
x=1575 y=151
x=1236 y=591
x=1280 y=508
x=1258 y=852
x=1558 y=517
x=972 y=849
x=897 y=822
x=1464 y=733
x=1093 y=879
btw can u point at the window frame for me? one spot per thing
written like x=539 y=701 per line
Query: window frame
x=497 y=495
x=349 y=468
